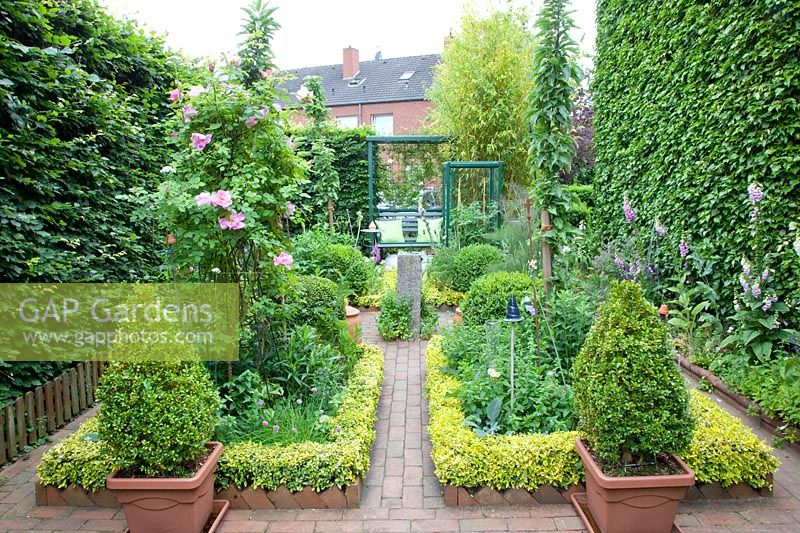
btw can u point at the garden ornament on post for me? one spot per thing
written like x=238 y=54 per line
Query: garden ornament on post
x=513 y=316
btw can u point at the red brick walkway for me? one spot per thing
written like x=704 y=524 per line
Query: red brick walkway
x=401 y=491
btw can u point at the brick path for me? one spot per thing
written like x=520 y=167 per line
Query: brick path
x=401 y=492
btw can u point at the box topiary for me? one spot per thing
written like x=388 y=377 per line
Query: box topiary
x=472 y=262
x=157 y=416
x=630 y=397
x=315 y=295
x=488 y=297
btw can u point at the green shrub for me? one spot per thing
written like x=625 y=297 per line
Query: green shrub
x=315 y=296
x=488 y=297
x=157 y=416
x=630 y=397
x=715 y=109
x=472 y=262
x=308 y=249
x=340 y=461
x=385 y=283
x=438 y=295
x=722 y=448
x=572 y=314
x=394 y=322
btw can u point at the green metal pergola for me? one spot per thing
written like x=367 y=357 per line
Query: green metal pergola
x=495 y=185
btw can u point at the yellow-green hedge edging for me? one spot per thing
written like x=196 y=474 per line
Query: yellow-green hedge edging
x=723 y=449
x=339 y=462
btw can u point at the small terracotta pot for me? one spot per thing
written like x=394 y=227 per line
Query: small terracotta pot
x=353 y=317
x=174 y=505
x=457 y=316
x=642 y=504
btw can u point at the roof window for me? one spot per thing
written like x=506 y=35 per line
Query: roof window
x=406 y=75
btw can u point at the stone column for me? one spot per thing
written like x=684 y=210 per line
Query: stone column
x=409 y=285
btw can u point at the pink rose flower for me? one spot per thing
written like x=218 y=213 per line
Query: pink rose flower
x=211 y=67
x=222 y=198
x=283 y=259
x=200 y=141
x=234 y=221
x=175 y=94
x=289 y=143
x=173 y=134
x=265 y=73
x=204 y=198
x=188 y=112
x=251 y=121
x=265 y=112
x=197 y=90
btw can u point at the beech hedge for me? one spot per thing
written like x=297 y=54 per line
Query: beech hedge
x=694 y=101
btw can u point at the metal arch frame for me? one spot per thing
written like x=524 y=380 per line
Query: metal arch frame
x=495 y=187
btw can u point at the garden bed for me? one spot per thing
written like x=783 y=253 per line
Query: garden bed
x=777 y=427
x=728 y=459
x=250 y=475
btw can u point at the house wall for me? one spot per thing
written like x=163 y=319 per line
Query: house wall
x=408 y=116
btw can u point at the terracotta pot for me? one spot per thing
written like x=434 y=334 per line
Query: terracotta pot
x=642 y=504
x=457 y=316
x=168 y=505
x=353 y=317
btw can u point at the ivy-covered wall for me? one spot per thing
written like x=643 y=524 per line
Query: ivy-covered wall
x=693 y=102
x=82 y=102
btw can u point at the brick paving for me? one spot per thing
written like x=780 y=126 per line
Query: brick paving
x=401 y=492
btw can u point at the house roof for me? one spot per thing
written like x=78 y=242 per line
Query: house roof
x=377 y=80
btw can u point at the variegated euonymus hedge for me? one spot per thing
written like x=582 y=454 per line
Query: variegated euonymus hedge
x=83 y=460
x=722 y=448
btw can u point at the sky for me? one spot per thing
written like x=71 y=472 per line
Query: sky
x=314 y=32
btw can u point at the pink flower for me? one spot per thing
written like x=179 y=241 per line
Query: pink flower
x=283 y=259
x=173 y=134
x=175 y=94
x=265 y=73
x=188 y=112
x=277 y=107
x=234 y=221
x=222 y=199
x=204 y=198
x=197 y=90
x=251 y=121
x=265 y=112
x=211 y=67
x=235 y=61
x=289 y=143
x=290 y=208
x=200 y=141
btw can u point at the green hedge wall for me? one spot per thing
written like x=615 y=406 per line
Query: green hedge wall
x=82 y=100
x=694 y=101
x=350 y=161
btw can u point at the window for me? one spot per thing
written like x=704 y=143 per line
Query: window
x=383 y=124
x=406 y=75
x=347 y=122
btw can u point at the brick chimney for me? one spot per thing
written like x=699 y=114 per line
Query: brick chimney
x=350 y=66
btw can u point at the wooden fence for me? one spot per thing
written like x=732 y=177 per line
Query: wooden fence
x=45 y=409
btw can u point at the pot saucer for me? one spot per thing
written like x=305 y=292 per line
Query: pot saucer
x=581 y=505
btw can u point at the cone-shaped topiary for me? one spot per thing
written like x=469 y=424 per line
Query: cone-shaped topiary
x=629 y=395
x=158 y=405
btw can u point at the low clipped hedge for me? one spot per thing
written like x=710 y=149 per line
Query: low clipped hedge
x=82 y=460
x=722 y=450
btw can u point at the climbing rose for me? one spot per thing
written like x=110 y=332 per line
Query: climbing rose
x=234 y=221
x=265 y=73
x=251 y=121
x=175 y=94
x=204 y=198
x=197 y=90
x=188 y=112
x=200 y=141
x=222 y=198
x=304 y=95
x=283 y=259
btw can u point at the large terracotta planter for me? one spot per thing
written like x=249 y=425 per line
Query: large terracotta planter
x=353 y=317
x=168 y=505
x=643 y=504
